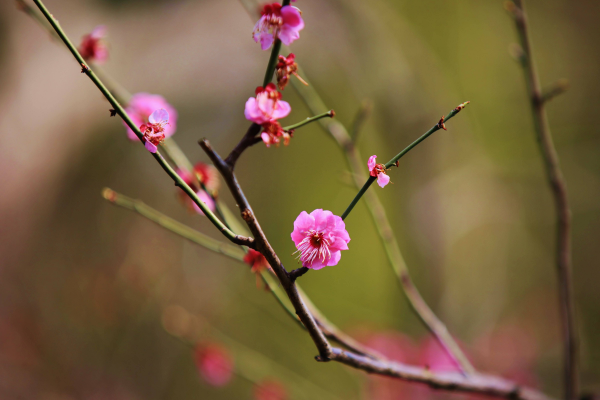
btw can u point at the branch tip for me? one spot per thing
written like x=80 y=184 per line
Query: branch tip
x=109 y=194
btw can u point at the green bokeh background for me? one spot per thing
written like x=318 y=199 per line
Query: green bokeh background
x=86 y=287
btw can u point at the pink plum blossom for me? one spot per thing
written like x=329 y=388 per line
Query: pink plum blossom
x=378 y=170
x=153 y=130
x=277 y=22
x=265 y=109
x=267 y=106
x=142 y=105
x=319 y=237
x=214 y=363
x=92 y=47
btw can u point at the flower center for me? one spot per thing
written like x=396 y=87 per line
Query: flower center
x=314 y=247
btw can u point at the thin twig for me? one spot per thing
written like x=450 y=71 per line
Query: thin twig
x=394 y=160
x=561 y=202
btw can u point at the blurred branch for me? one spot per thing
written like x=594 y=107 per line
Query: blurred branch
x=559 y=192
x=237 y=239
x=363 y=113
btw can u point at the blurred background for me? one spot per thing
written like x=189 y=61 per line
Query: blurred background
x=98 y=303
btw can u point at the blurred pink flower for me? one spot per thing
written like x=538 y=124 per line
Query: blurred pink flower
x=435 y=357
x=193 y=184
x=267 y=106
x=319 y=237
x=92 y=47
x=153 y=130
x=378 y=170
x=214 y=363
x=276 y=22
x=142 y=105
x=270 y=389
x=257 y=261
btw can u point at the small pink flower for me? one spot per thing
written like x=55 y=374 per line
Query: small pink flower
x=92 y=47
x=142 y=105
x=276 y=22
x=206 y=199
x=319 y=237
x=214 y=363
x=153 y=130
x=267 y=106
x=378 y=170
x=270 y=389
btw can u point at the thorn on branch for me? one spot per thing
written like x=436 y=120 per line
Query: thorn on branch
x=113 y=112
x=84 y=68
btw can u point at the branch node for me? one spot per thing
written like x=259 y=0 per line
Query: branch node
x=297 y=273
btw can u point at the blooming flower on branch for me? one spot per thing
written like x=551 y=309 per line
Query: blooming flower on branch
x=214 y=363
x=319 y=237
x=265 y=109
x=154 y=129
x=92 y=47
x=267 y=106
x=142 y=105
x=277 y=22
x=286 y=67
x=378 y=170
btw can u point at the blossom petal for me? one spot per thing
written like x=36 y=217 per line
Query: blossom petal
x=339 y=244
x=99 y=32
x=282 y=109
x=150 y=147
x=371 y=163
x=159 y=116
x=266 y=40
x=292 y=17
x=335 y=258
x=382 y=179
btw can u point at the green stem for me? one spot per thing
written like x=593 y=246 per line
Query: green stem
x=398 y=156
x=119 y=109
x=308 y=120
x=272 y=62
x=358 y=196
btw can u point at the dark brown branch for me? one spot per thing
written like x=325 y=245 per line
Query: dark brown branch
x=264 y=247
x=248 y=140
x=297 y=273
x=559 y=193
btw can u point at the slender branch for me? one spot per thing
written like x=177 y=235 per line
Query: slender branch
x=308 y=120
x=172 y=225
x=377 y=211
x=248 y=140
x=371 y=179
x=241 y=240
x=559 y=192
x=360 y=118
